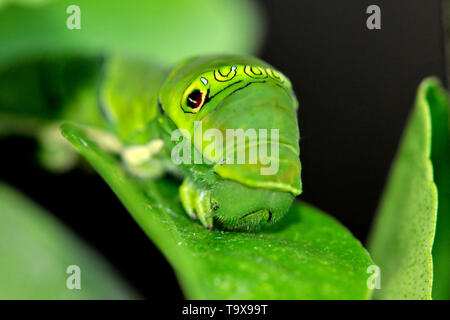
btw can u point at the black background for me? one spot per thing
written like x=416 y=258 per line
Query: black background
x=356 y=88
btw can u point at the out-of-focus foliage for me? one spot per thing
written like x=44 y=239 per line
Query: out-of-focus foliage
x=446 y=22
x=36 y=250
x=161 y=31
x=402 y=236
x=440 y=156
x=23 y=2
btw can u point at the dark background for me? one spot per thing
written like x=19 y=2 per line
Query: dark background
x=356 y=88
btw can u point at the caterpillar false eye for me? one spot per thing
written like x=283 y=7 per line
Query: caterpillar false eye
x=196 y=99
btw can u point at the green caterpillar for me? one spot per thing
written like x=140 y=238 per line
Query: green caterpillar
x=221 y=92
x=144 y=105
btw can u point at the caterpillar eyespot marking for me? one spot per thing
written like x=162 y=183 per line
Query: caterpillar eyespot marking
x=196 y=99
x=220 y=80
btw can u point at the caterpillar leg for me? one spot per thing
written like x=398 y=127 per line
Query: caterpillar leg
x=196 y=202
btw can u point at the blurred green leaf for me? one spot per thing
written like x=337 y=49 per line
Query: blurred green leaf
x=308 y=255
x=36 y=250
x=403 y=233
x=48 y=88
x=438 y=102
x=164 y=31
x=23 y=2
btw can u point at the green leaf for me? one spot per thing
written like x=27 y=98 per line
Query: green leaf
x=36 y=251
x=403 y=233
x=163 y=31
x=438 y=102
x=308 y=255
x=23 y=2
